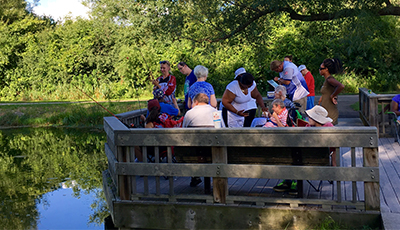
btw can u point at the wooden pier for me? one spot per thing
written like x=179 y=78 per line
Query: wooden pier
x=241 y=194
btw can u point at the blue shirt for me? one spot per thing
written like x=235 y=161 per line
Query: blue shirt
x=201 y=87
x=168 y=109
x=190 y=80
x=292 y=74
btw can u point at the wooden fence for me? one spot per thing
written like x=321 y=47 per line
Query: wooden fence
x=134 y=205
x=372 y=110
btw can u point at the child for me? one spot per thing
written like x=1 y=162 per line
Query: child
x=318 y=117
x=279 y=116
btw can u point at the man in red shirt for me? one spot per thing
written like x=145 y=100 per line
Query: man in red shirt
x=310 y=84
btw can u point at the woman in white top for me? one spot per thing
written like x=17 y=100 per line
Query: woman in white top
x=236 y=97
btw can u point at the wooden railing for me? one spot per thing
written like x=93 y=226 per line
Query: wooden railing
x=120 y=151
x=372 y=110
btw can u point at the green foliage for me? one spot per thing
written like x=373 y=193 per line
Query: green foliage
x=116 y=53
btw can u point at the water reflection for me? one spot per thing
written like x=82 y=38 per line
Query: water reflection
x=41 y=168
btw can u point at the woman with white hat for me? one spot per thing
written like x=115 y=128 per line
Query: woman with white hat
x=318 y=117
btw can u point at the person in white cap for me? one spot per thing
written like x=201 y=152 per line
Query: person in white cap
x=251 y=105
x=310 y=84
x=236 y=97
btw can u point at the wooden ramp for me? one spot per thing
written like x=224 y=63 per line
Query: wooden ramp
x=389 y=165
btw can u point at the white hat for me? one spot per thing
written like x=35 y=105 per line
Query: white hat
x=319 y=114
x=302 y=67
x=239 y=71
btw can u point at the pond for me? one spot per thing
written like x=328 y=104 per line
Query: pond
x=51 y=178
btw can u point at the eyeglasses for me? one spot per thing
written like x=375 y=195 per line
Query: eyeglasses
x=320 y=68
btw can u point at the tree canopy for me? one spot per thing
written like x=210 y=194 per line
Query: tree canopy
x=112 y=54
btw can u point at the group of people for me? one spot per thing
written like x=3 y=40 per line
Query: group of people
x=239 y=102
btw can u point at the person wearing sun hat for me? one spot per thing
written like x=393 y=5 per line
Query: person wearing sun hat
x=318 y=117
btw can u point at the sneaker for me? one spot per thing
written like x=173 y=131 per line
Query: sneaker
x=284 y=186
x=293 y=189
x=195 y=181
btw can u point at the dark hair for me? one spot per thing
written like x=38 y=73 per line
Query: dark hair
x=153 y=114
x=182 y=63
x=246 y=79
x=334 y=65
x=290 y=57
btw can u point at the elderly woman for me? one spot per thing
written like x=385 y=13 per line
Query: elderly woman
x=280 y=93
x=201 y=86
x=236 y=97
x=331 y=87
x=166 y=82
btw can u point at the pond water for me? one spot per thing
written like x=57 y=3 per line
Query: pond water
x=51 y=178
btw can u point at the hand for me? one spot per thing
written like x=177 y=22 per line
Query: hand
x=264 y=109
x=241 y=113
x=155 y=83
x=276 y=79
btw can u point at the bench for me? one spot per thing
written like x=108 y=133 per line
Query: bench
x=373 y=109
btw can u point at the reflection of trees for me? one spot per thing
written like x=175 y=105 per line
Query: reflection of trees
x=36 y=161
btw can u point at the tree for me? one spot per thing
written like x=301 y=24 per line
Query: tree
x=219 y=20
x=12 y=10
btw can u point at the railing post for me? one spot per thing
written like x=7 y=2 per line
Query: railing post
x=123 y=181
x=371 y=189
x=220 y=184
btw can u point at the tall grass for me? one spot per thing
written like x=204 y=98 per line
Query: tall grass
x=68 y=114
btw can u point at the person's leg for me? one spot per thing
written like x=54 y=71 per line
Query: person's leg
x=303 y=104
x=249 y=119
x=310 y=102
x=225 y=115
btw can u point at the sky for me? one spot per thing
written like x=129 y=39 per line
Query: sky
x=58 y=9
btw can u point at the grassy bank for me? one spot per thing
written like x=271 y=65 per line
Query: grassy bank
x=79 y=114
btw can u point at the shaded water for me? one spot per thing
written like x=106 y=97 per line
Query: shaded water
x=51 y=178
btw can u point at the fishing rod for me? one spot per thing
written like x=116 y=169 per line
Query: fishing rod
x=97 y=102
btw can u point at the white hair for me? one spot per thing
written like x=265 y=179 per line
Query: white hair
x=281 y=88
x=200 y=71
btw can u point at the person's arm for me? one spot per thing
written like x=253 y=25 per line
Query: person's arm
x=213 y=101
x=227 y=99
x=338 y=88
x=156 y=84
x=189 y=104
x=257 y=95
x=171 y=85
x=394 y=107
x=176 y=106
x=149 y=125
x=281 y=81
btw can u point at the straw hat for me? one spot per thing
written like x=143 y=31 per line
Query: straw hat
x=301 y=67
x=319 y=114
x=239 y=71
